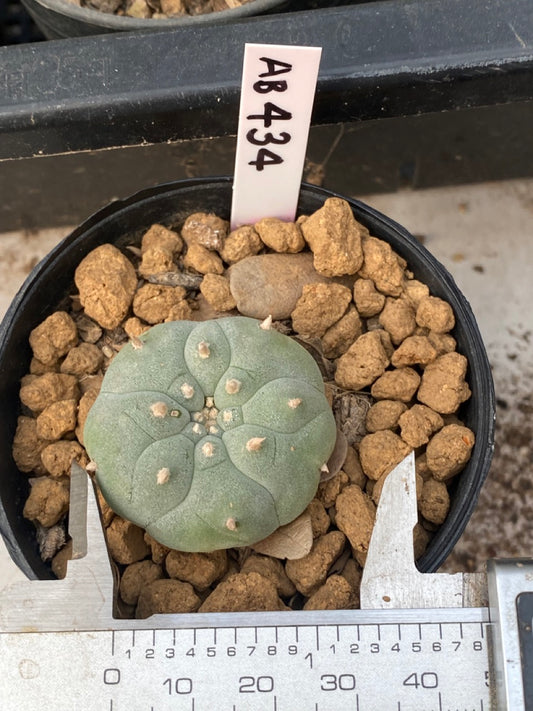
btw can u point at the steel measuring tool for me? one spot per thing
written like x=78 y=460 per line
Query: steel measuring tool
x=420 y=642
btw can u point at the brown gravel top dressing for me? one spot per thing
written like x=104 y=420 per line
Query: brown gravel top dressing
x=391 y=373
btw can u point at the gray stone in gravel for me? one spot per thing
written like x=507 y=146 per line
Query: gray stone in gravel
x=271 y=284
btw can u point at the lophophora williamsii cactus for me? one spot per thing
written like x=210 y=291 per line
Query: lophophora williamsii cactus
x=210 y=435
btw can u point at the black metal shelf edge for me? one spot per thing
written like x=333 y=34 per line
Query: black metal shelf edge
x=380 y=59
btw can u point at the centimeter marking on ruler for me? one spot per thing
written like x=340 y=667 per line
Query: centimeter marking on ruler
x=405 y=666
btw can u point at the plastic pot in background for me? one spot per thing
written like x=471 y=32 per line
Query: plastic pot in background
x=122 y=222
x=58 y=19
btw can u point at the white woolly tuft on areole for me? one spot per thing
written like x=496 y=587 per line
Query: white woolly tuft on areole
x=187 y=391
x=203 y=350
x=255 y=443
x=163 y=475
x=159 y=409
x=232 y=386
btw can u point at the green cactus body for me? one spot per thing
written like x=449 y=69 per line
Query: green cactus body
x=210 y=435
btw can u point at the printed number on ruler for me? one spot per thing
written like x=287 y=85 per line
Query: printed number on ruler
x=271 y=113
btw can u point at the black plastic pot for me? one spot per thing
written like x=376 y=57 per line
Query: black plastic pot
x=121 y=222
x=58 y=19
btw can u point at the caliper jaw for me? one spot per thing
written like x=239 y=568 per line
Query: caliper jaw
x=391 y=579
x=83 y=600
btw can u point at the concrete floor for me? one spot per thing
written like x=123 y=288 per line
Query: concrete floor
x=483 y=234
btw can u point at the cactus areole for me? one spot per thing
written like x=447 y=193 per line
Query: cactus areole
x=210 y=435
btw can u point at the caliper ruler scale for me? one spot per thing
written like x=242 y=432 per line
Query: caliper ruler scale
x=421 y=642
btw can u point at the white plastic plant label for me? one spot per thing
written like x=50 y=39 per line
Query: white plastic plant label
x=278 y=89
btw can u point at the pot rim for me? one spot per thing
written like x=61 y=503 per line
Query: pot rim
x=97 y=18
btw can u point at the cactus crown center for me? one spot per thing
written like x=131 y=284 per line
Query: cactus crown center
x=207 y=416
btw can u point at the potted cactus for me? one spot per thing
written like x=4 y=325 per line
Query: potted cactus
x=210 y=431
